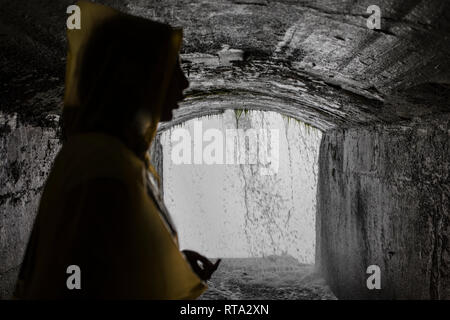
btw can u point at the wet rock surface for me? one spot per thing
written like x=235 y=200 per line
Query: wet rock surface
x=26 y=156
x=383 y=199
x=273 y=278
x=316 y=61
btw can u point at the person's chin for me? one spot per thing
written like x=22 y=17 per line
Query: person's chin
x=167 y=117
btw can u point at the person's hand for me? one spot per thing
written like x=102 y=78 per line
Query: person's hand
x=201 y=265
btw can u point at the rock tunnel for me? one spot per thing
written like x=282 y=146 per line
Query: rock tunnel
x=377 y=100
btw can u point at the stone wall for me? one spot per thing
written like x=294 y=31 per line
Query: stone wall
x=26 y=155
x=383 y=199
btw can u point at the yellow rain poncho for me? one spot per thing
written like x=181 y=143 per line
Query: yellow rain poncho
x=96 y=211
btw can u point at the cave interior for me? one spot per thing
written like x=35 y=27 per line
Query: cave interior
x=378 y=97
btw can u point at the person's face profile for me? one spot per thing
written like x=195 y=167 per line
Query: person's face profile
x=177 y=84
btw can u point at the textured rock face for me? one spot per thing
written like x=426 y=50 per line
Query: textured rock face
x=235 y=210
x=295 y=55
x=383 y=199
x=269 y=278
x=26 y=155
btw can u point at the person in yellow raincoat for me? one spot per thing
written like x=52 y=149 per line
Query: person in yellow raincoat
x=100 y=209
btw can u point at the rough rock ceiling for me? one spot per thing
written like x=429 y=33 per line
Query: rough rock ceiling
x=314 y=60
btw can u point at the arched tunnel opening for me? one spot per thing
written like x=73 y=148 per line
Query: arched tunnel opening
x=241 y=185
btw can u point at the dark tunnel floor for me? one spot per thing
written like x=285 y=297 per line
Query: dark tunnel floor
x=274 y=278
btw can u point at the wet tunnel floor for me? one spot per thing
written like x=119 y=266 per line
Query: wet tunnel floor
x=274 y=278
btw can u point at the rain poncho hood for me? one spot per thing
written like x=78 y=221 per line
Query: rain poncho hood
x=115 y=63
